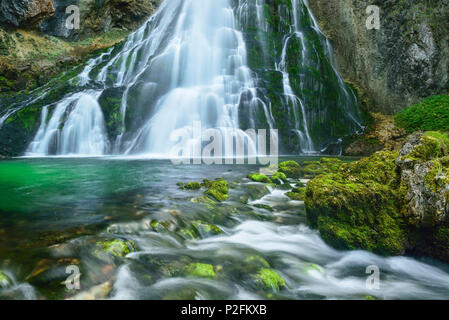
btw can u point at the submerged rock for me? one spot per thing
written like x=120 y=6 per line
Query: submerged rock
x=390 y=203
x=269 y=279
x=5 y=281
x=117 y=247
x=202 y=270
x=217 y=189
x=95 y=293
x=192 y=186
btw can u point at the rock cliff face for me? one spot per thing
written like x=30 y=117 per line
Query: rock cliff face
x=393 y=67
x=35 y=43
x=24 y=12
x=98 y=16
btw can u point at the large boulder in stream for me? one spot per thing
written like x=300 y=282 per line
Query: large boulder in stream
x=391 y=203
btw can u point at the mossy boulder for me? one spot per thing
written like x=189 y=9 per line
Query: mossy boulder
x=192 y=186
x=117 y=247
x=297 y=194
x=291 y=169
x=208 y=202
x=217 y=189
x=390 y=203
x=356 y=215
x=257 y=191
x=5 y=281
x=207 y=228
x=312 y=169
x=279 y=178
x=269 y=279
x=258 y=177
x=201 y=270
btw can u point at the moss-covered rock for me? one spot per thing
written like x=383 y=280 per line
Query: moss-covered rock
x=217 y=189
x=312 y=169
x=390 y=203
x=117 y=247
x=269 y=279
x=279 y=178
x=208 y=202
x=5 y=281
x=201 y=270
x=297 y=194
x=356 y=215
x=207 y=228
x=291 y=169
x=258 y=177
x=192 y=186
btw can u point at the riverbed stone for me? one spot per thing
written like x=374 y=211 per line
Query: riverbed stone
x=201 y=270
x=269 y=279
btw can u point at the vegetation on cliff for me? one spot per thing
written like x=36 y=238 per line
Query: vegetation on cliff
x=431 y=114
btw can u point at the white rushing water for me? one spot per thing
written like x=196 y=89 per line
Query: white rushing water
x=188 y=64
x=76 y=127
x=311 y=268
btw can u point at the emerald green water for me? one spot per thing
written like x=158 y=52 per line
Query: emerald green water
x=54 y=211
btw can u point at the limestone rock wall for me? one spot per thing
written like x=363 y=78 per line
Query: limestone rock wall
x=393 y=67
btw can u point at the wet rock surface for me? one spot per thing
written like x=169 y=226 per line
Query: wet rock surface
x=395 y=66
x=391 y=203
x=25 y=13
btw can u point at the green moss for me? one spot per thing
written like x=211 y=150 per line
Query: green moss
x=432 y=145
x=201 y=270
x=291 y=169
x=208 y=202
x=256 y=260
x=192 y=186
x=279 y=178
x=312 y=169
x=117 y=247
x=5 y=281
x=431 y=114
x=313 y=267
x=257 y=177
x=207 y=227
x=270 y=279
x=297 y=194
x=360 y=206
x=217 y=189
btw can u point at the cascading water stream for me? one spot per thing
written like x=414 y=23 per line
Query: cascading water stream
x=190 y=64
x=191 y=57
x=82 y=132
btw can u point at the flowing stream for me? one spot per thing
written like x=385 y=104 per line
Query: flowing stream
x=78 y=202
x=226 y=65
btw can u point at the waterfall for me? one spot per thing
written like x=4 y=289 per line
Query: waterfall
x=82 y=132
x=200 y=62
